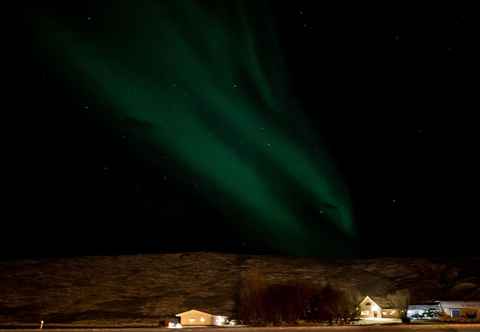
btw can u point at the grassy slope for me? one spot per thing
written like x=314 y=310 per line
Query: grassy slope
x=147 y=288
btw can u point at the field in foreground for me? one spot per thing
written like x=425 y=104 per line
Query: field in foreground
x=396 y=328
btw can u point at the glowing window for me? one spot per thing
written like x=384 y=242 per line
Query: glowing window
x=455 y=312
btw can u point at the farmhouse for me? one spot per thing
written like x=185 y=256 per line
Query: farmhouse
x=379 y=308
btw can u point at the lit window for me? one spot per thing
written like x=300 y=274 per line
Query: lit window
x=191 y=319
x=455 y=312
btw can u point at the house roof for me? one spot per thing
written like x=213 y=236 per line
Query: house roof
x=381 y=302
x=422 y=306
x=192 y=312
x=384 y=303
x=460 y=304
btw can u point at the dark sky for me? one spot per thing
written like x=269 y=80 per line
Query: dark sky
x=388 y=92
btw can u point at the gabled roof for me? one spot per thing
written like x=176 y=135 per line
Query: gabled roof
x=382 y=303
x=191 y=312
x=365 y=299
x=460 y=304
x=368 y=299
x=423 y=306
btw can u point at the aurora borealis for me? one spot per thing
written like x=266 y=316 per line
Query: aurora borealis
x=262 y=127
x=211 y=83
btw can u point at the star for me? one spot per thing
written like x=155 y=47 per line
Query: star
x=89 y=18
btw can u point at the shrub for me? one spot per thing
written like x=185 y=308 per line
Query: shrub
x=332 y=305
x=260 y=303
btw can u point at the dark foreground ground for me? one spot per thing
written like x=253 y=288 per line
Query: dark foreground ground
x=396 y=328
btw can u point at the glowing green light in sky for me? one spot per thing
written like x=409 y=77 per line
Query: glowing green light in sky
x=211 y=83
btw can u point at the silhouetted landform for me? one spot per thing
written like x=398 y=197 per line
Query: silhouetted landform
x=145 y=289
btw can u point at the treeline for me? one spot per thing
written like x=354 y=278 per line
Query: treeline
x=262 y=303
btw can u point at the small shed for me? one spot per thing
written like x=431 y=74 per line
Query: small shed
x=200 y=318
x=195 y=317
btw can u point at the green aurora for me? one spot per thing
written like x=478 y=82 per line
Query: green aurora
x=211 y=83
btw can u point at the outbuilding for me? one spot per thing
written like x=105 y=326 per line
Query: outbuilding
x=461 y=310
x=200 y=318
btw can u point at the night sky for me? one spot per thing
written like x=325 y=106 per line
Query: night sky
x=242 y=126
